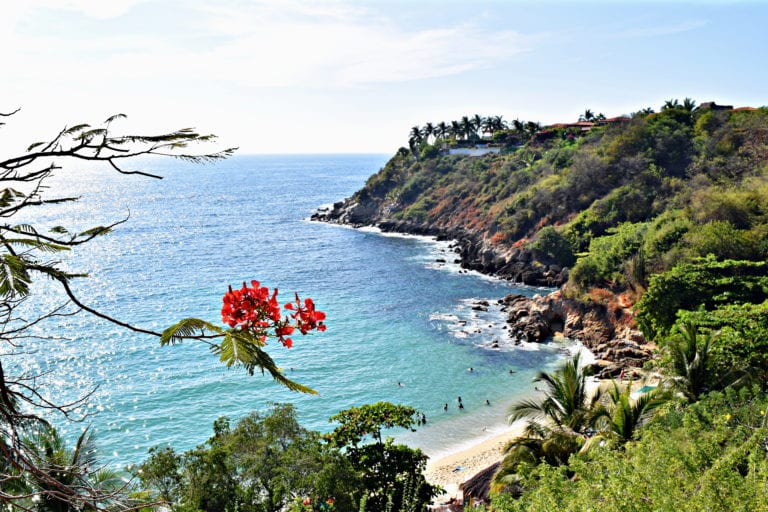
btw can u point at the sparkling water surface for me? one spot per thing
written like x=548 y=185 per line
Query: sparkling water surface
x=401 y=326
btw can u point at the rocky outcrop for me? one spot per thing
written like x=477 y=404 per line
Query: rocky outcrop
x=539 y=318
x=475 y=250
x=532 y=320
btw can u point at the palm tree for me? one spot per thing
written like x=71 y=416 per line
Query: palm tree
x=587 y=116
x=488 y=126
x=415 y=135
x=670 y=103
x=694 y=373
x=643 y=112
x=690 y=359
x=428 y=131
x=477 y=123
x=689 y=104
x=455 y=130
x=566 y=404
x=466 y=127
x=531 y=127
x=556 y=425
x=79 y=482
x=499 y=123
x=623 y=416
x=442 y=130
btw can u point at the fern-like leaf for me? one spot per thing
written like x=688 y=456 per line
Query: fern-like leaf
x=37 y=244
x=76 y=128
x=96 y=231
x=189 y=327
x=241 y=348
x=116 y=116
x=14 y=276
x=26 y=229
x=8 y=197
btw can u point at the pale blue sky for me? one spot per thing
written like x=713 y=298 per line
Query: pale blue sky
x=302 y=77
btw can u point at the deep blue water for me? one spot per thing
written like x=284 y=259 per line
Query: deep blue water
x=395 y=315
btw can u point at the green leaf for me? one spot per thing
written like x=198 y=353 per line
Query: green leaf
x=60 y=230
x=37 y=244
x=189 y=327
x=116 y=116
x=96 y=231
x=241 y=348
x=24 y=228
x=92 y=133
x=9 y=197
x=76 y=128
x=14 y=278
x=34 y=145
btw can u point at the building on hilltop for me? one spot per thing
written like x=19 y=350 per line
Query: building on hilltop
x=714 y=106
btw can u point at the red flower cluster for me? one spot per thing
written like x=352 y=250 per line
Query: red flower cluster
x=253 y=309
x=306 y=316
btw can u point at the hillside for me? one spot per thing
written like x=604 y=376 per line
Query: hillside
x=599 y=208
x=673 y=185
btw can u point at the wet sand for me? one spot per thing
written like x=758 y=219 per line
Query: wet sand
x=453 y=469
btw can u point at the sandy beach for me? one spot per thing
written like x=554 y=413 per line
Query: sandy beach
x=452 y=470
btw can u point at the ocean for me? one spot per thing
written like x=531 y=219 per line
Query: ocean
x=402 y=326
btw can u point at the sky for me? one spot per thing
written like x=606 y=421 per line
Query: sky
x=290 y=76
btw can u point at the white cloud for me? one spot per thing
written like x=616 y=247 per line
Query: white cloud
x=662 y=30
x=101 y=9
x=274 y=45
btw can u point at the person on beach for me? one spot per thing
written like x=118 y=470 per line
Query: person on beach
x=487 y=402
x=445 y=407
x=423 y=419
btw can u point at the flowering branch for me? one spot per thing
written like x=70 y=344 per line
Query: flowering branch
x=253 y=315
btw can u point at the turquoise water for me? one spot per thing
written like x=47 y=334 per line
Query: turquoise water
x=395 y=315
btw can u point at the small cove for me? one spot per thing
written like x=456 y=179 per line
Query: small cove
x=395 y=314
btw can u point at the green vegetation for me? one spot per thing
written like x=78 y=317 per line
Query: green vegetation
x=709 y=456
x=270 y=463
x=568 y=420
x=633 y=197
x=668 y=208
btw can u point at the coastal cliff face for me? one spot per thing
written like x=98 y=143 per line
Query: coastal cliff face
x=474 y=249
x=532 y=320
x=593 y=213
x=535 y=319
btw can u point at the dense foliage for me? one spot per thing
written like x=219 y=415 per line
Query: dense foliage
x=261 y=465
x=270 y=463
x=391 y=474
x=709 y=456
x=633 y=196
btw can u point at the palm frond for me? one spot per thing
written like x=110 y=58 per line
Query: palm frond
x=187 y=328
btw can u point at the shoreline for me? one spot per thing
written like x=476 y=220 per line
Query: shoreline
x=452 y=469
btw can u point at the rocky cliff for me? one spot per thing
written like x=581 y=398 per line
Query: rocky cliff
x=474 y=249
x=615 y=344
